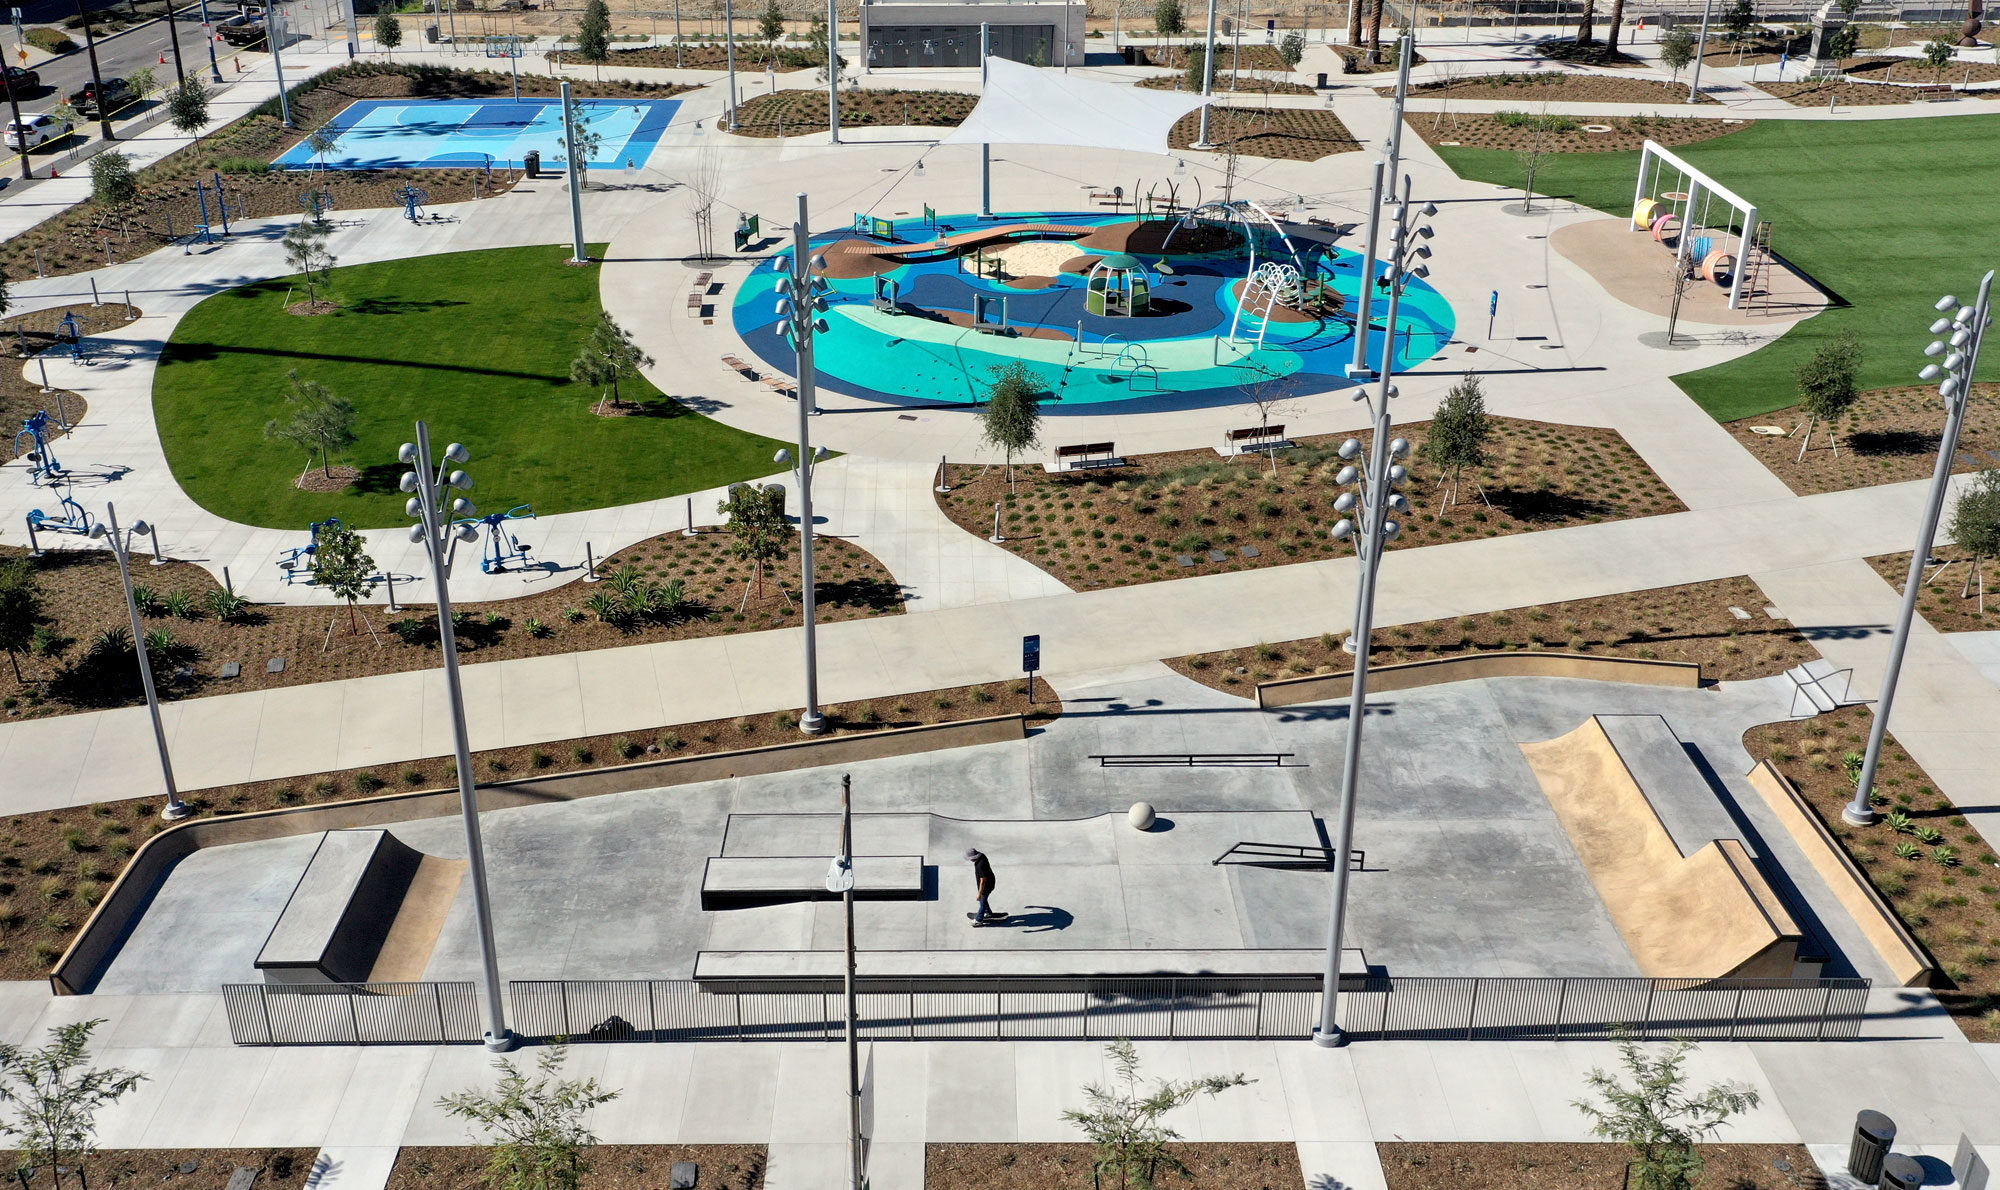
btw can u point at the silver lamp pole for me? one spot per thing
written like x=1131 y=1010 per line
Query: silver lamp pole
x=121 y=549
x=1700 y=45
x=833 y=70
x=986 y=150
x=578 y=254
x=729 y=44
x=840 y=879
x=274 y=33
x=1955 y=357
x=801 y=302
x=1207 y=78
x=1378 y=498
x=1365 y=299
x=438 y=514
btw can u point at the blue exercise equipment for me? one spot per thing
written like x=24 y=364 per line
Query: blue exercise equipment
x=73 y=520
x=413 y=198
x=73 y=332
x=42 y=464
x=299 y=563
x=502 y=546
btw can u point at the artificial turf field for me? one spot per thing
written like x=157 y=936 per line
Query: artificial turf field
x=477 y=343
x=1887 y=215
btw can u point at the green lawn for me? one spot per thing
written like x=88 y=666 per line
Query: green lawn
x=1885 y=214
x=476 y=343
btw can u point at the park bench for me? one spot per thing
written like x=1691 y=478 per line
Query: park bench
x=696 y=303
x=1932 y=91
x=1087 y=454
x=741 y=368
x=731 y=970
x=782 y=386
x=769 y=880
x=1236 y=442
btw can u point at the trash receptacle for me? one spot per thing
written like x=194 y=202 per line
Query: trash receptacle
x=531 y=165
x=1901 y=1173
x=1874 y=1134
x=1322 y=80
x=431 y=33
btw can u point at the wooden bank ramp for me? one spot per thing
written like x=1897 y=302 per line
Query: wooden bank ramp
x=1707 y=915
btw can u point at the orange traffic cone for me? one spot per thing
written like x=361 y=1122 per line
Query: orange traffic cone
x=54 y=173
x=163 y=59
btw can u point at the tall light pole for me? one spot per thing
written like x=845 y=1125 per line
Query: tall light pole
x=274 y=35
x=1954 y=356
x=729 y=44
x=840 y=879
x=1207 y=78
x=1364 y=310
x=208 y=35
x=439 y=530
x=1378 y=497
x=573 y=150
x=985 y=149
x=121 y=548
x=833 y=70
x=1700 y=44
x=801 y=300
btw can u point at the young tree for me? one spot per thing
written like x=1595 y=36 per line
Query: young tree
x=1124 y=1120
x=755 y=518
x=1939 y=51
x=305 y=250
x=1676 y=50
x=1827 y=386
x=187 y=105
x=1657 y=1116
x=56 y=1095
x=593 y=32
x=816 y=45
x=607 y=357
x=342 y=568
x=1265 y=393
x=771 y=23
x=388 y=32
x=1458 y=434
x=1534 y=154
x=1012 y=417
x=1293 y=49
x=140 y=80
x=1843 y=43
x=1192 y=79
x=112 y=182
x=321 y=141
x=533 y=1126
x=1975 y=526
x=21 y=608
x=319 y=422
x=1739 y=18
x=1169 y=21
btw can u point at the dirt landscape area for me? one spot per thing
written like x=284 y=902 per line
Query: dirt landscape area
x=1516 y=131
x=1210 y=1166
x=1516 y=1165
x=612 y=1167
x=1891 y=435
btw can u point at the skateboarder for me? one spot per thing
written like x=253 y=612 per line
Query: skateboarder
x=982 y=879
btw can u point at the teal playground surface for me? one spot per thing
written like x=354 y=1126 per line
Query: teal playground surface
x=483 y=133
x=917 y=346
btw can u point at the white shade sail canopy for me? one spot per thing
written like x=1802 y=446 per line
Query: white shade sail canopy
x=1026 y=105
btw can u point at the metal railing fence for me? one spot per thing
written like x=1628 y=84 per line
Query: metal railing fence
x=351 y=1013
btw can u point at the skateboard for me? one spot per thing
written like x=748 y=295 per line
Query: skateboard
x=992 y=919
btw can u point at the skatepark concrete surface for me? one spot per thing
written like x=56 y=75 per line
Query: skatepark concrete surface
x=1468 y=869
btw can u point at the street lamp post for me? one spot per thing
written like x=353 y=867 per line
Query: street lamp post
x=208 y=35
x=440 y=529
x=833 y=70
x=1207 y=78
x=274 y=35
x=840 y=879
x=1700 y=46
x=121 y=549
x=729 y=51
x=1378 y=497
x=1954 y=357
x=801 y=302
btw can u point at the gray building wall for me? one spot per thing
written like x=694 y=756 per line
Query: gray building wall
x=942 y=33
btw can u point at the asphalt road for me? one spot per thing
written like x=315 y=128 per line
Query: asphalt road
x=119 y=56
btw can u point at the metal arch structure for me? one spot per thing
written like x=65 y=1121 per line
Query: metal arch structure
x=43 y=465
x=1249 y=214
x=1281 y=286
x=502 y=547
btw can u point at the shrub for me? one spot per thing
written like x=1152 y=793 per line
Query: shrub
x=626 y=748
x=178 y=604
x=536 y=628
x=1536 y=123
x=368 y=782
x=51 y=40
x=241 y=165
x=226 y=605
x=413 y=776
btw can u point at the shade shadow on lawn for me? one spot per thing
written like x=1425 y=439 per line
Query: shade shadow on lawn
x=478 y=344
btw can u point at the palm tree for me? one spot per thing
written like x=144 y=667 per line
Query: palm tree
x=1611 y=30
x=1584 y=21
x=1375 y=31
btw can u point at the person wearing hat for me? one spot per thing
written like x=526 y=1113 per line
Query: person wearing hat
x=982 y=879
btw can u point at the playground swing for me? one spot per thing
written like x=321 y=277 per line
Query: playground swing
x=502 y=547
x=1680 y=219
x=73 y=520
x=43 y=467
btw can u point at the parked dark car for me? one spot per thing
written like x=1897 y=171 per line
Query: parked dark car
x=23 y=82
x=116 y=94
x=244 y=30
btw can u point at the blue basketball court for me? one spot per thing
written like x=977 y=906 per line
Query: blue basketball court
x=474 y=133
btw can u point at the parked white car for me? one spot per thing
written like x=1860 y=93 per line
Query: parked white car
x=29 y=131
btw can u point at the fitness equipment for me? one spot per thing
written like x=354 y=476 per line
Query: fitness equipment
x=73 y=520
x=317 y=203
x=413 y=198
x=72 y=332
x=42 y=464
x=502 y=546
x=299 y=563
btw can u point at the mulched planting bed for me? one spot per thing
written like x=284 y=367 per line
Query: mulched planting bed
x=1942 y=605
x=1357 y=60
x=56 y=865
x=1552 y=87
x=1891 y=435
x=1916 y=70
x=1877 y=37
x=1289 y=134
x=19 y=396
x=792 y=113
x=612 y=1167
x=74 y=241
x=1686 y=623
x=749 y=56
x=286 y=1169
x=1520 y=1165
x=1596 y=53
x=1253 y=57
x=82 y=596
x=1756 y=50
x=1109 y=527
x=1627 y=132
x=1243 y=1166
x=1814 y=94
x=1953 y=908
x=1244 y=83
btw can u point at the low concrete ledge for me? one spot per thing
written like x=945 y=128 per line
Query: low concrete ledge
x=108 y=925
x=1284 y=692
x=1906 y=957
x=736 y=970
x=769 y=880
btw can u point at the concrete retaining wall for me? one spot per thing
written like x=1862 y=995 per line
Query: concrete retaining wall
x=1285 y=692
x=1906 y=957
x=107 y=927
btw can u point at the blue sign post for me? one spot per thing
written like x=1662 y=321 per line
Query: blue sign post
x=1492 y=308
x=1031 y=660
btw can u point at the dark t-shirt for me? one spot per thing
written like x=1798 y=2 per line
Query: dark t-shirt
x=982 y=875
